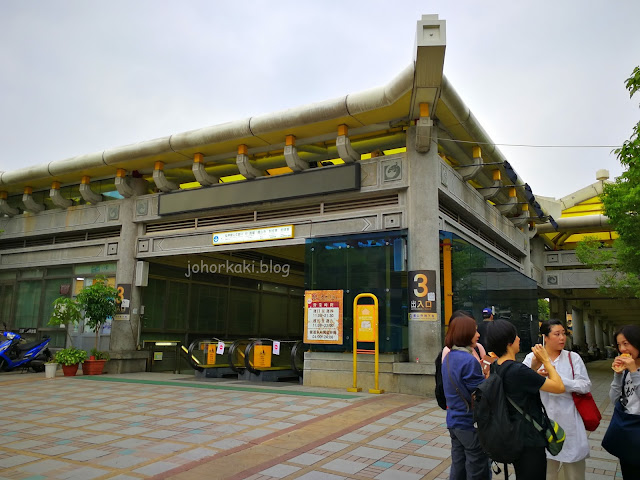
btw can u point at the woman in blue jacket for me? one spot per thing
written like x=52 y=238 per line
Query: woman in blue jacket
x=461 y=375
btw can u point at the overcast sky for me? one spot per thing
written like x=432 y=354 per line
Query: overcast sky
x=80 y=76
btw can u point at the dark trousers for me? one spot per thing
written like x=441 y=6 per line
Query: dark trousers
x=532 y=464
x=468 y=461
x=629 y=471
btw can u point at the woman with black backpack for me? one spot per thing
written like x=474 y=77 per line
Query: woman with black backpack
x=522 y=385
x=461 y=375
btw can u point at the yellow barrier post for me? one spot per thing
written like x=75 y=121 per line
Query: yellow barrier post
x=365 y=329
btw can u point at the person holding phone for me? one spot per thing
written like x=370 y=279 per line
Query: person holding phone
x=560 y=406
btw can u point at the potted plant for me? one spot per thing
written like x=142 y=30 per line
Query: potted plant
x=99 y=302
x=50 y=369
x=69 y=358
x=66 y=313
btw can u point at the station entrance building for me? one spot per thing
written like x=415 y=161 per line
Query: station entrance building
x=218 y=232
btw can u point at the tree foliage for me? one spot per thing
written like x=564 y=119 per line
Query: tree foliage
x=543 y=310
x=620 y=269
x=99 y=302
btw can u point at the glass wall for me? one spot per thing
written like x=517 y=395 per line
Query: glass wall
x=26 y=297
x=218 y=305
x=368 y=263
x=480 y=280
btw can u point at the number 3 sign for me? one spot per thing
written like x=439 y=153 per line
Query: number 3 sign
x=422 y=295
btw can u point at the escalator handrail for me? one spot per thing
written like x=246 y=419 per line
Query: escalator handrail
x=294 y=352
x=247 y=351
x=231 y=352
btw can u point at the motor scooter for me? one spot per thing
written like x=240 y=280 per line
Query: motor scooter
x=15 y=352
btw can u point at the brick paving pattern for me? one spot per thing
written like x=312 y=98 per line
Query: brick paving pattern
x=141 y=426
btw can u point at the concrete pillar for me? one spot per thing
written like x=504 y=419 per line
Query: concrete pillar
x=589 y=329
x=125 y=356
x=605 y=334
x=578 y=328
x=558 y=309
x=424 y=240
x=598 y=333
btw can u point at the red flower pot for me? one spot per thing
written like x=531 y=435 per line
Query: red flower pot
x=70 y=370
x=93 y=367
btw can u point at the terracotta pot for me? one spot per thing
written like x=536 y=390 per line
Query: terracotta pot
x=70 y=370
x=93 y=367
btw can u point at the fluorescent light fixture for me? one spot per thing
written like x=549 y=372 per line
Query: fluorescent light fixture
x=166 y=344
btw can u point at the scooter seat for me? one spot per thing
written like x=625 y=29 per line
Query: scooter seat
x=27 y=346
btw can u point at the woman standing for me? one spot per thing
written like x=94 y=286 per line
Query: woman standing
x=560 y=407
x=461 y=375
x=624 y=393
x=523 y=386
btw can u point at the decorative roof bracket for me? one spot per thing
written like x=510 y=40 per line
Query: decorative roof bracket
x=122 y=184
x=294 y=162
x=469 y=172
x=491 y=192
x=522 y=219
x=200 y=173
x=343 y=144
x=160 y=180
x=30 y=205
x=89 y=195
x=57 y=198
x=244 y=166
x=5 y=207
x=511 y=203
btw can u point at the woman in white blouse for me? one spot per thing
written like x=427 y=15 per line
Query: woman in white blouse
x=560 y=407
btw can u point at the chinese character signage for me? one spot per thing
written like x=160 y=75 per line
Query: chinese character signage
x=422 y=295
x=323 y=316
x=262 y=356
x=366 y=323
x=254 y=235
x=211 y=354
x=124 y=301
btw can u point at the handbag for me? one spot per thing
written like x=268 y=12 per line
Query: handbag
x=586 y=406
x=622 y=438
x=553 y=433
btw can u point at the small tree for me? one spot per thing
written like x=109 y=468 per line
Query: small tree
x=99 y=302
x=65 y=312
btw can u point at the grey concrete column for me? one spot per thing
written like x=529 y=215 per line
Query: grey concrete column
x=578 y=327
x=605 y=334
x=124 y=333
x=558 y=309
x=424 y=240
x=124 y=349
x=598 y=333
x=589 y=329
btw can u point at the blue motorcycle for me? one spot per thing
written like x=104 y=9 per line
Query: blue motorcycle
x=15 y=352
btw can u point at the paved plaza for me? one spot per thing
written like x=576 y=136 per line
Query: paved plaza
x=156 y=425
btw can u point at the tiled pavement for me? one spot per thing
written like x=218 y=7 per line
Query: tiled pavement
x=172 y=426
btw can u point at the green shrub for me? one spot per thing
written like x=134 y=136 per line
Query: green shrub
x=70 y=356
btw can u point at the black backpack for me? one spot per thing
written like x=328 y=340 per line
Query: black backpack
x=442 y=401
x=439 y=391
x=499 y=437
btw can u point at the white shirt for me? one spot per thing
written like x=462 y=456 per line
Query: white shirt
x=560 y=406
